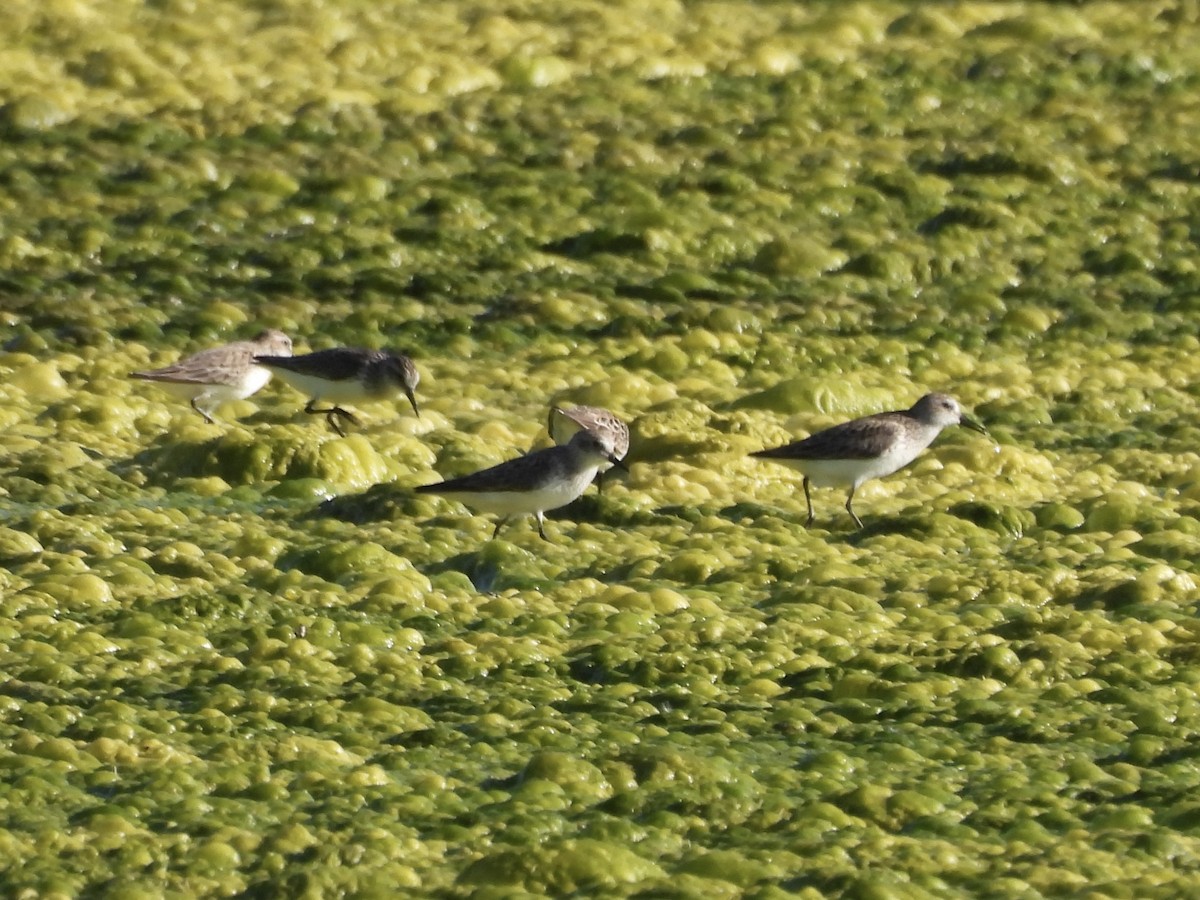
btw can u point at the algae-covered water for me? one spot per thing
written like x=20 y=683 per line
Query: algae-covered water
x=246 y=660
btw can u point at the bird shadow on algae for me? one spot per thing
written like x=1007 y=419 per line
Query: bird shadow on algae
x=493 y=565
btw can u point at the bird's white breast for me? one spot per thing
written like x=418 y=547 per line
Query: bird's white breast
x=846 y=472
x=322 y=388
x=253 y=381
x=513 y=501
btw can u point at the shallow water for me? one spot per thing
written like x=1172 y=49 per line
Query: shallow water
x=246 y=658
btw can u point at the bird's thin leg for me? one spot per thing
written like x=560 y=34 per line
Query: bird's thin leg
x=499 y=525
x=347 y=415
x=207 y=418
x=808 y=499
x=599 y=482
x=541 y=530
x=331 y=415
x=850 y=507
x=344 y=414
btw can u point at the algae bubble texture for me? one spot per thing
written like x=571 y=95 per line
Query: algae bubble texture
x=246 y=659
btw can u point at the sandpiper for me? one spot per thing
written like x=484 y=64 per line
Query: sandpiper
x=870 y=447
x=539 y=481
x=343 y=374
x=566 y=421
x=212 y=377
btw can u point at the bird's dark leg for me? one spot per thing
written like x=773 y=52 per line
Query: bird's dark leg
x=541 y=530
x=850 y=507
x=331 y=415
x=499 y=525
x=345 y=414
x=207 y=418
x=599 y=482
x=808 y=499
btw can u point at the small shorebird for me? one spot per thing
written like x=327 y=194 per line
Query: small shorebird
x=539 y=481
x=870 y=447
x=566 y=421
x=214 y=376
x=346 y=374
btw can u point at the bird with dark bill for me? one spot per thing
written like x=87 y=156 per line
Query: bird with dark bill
x=871 y=447
x=345 y=375
x=534 y=483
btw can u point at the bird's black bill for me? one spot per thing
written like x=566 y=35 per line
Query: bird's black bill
x=973 y=424
x=412 y=398
x=619 y=463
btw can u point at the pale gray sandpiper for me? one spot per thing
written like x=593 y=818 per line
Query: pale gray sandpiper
x=534 y=483
x=212 y=377
x=346 y=374
x=870 y=447
x=566 y=421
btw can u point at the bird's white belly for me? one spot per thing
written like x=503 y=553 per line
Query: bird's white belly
x=248 y=382
x=512 y=502
x=323 y=389
x=184 y=390
x=252 y=382
x=846 y=472
x=211 y=395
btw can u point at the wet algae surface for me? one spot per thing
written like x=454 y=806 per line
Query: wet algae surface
x=246 y=660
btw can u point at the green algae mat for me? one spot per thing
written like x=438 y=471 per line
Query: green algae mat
x=245 y=659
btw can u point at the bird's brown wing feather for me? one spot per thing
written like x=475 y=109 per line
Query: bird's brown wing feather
x=218 y=365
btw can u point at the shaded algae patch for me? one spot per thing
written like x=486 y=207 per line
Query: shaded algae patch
x=245 y=658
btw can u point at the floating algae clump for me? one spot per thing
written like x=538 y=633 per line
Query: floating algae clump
x=733 y=225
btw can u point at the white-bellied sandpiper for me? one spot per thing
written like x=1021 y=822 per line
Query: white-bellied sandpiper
x=229 y=372
x=534 y=483
x=345 y=375
x=870 y=447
